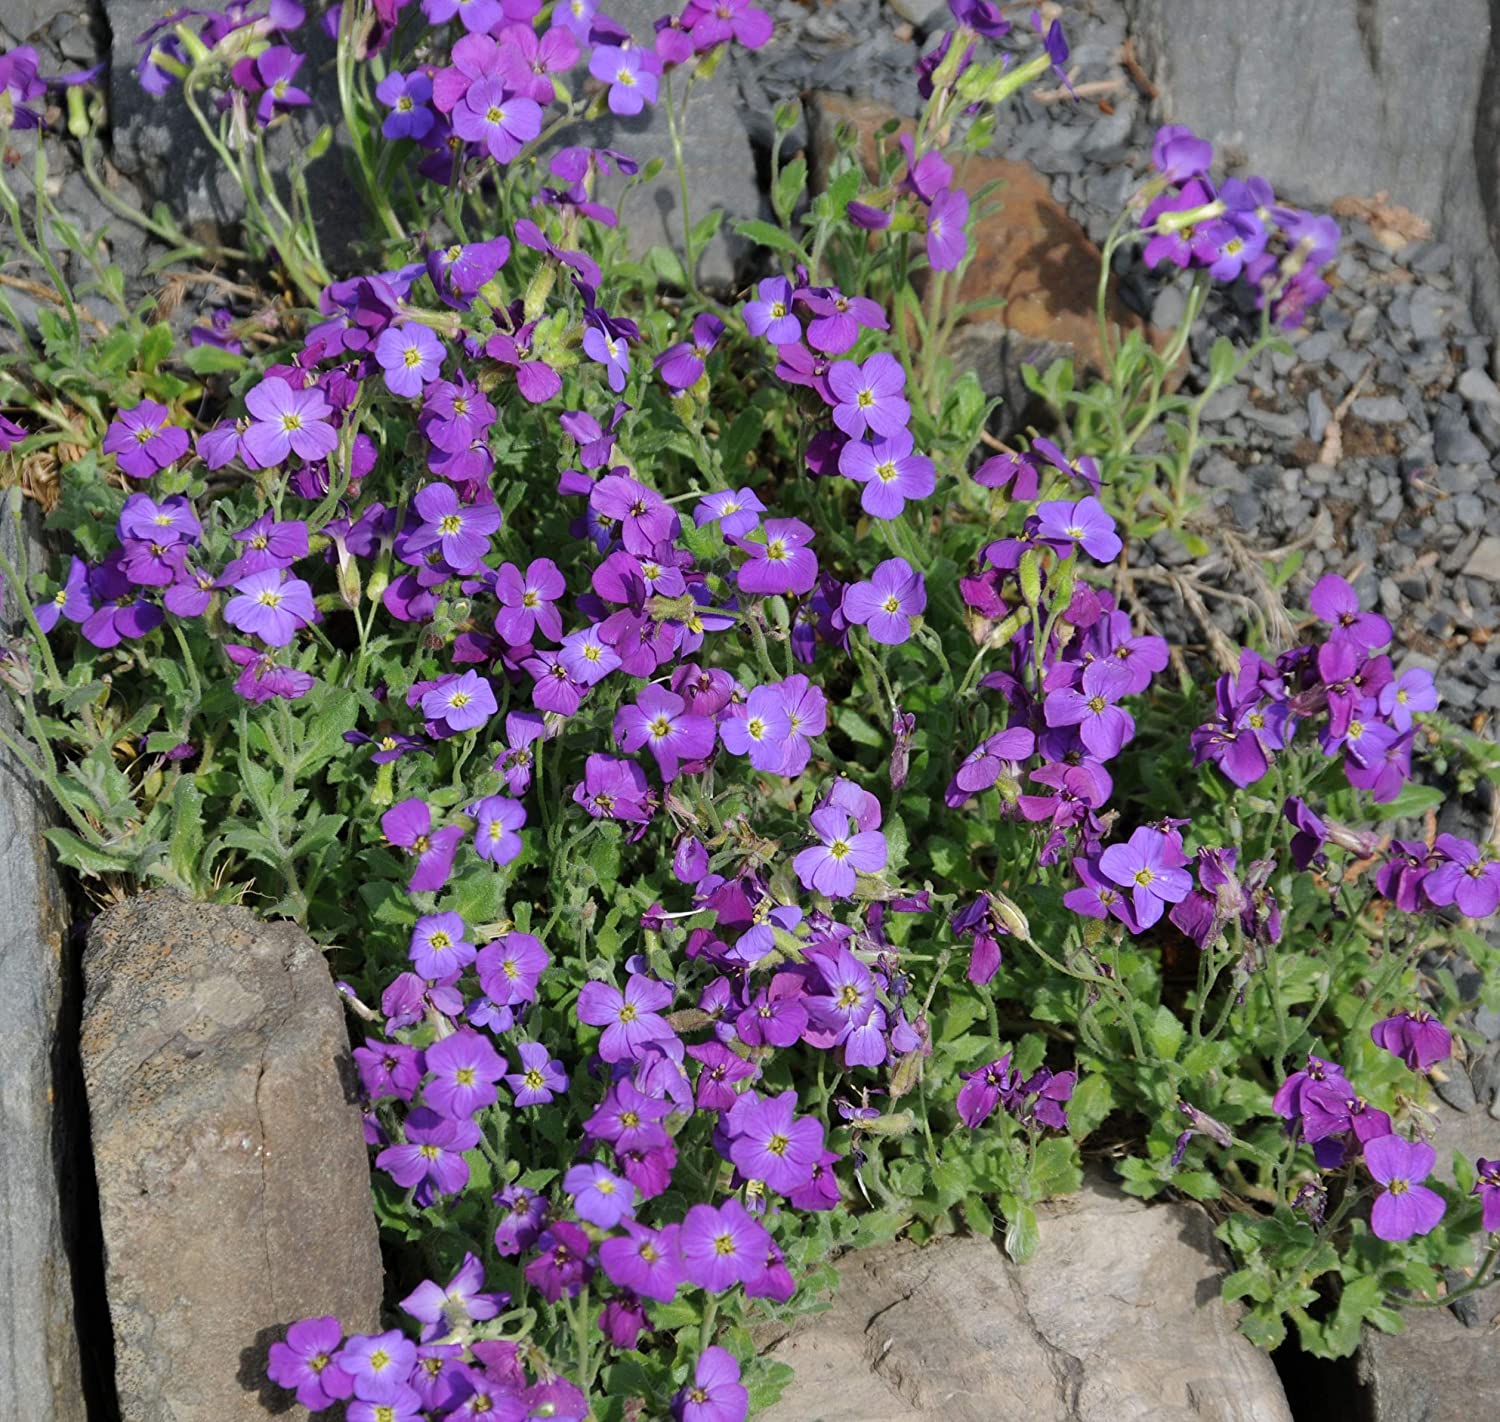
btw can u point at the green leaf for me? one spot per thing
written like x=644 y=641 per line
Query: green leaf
x=1165 y=1033
x=77 y=854
x=1022 y=1233
x=764 y=234
x=211 y=360
x=789 y=185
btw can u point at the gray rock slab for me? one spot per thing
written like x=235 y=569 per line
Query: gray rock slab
x=1116 y=1319
x=40 y=1373
x=233 y=1179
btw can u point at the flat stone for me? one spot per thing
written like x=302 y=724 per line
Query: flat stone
x=1380 y=410
x=1115 y=1319
x=233 y=1180
x=1484 y=561
x=40 y=1120
x=1453 y=442
x=1477 y=388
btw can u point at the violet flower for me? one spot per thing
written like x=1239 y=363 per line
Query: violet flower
x=889 y=471
x=721 y=1246
x=142 y=440
x=715 y=1393
x=869 y=397
x=1405 y=1207
x=270 y=606
x=1418 y=1038
x=408 y=825
x=888 y=603
x=832 y=867
x=1151 y=870
x=540 y=1078
x=305 y=1361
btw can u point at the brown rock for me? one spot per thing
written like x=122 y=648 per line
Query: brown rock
x=233 y=1179
x=1116 y=1319
x=1029 y=253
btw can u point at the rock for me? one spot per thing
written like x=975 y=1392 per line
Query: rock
x=233 y=1180
x=1453 y=442
x=1437 y=1371
x=1478 y=389
x=1484 y=561
x=1116 y=1319
x=1380 y=410
x=1318 y=98
x=40 y=1373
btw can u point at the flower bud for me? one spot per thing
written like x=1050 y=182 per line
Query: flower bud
x=1009 y=916
x=1030 y=574
x=538 y=289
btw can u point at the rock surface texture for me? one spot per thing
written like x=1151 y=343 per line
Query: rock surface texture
x=1346 y=96
x=1116 y=1319
x=40 y=1377
x=234 y=1188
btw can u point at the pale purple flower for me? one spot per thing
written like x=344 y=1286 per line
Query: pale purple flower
x=540 y=1078
x=946 y=240
x=271 y=606
x=630 y=1019
x=527 y=601
x=631 y=75
x=832 y=867
x=502 y=121
x=1085 y=523
x=770 y=315
x=782 y=563
x=722 y=1246
x=142 y=440
x=496 y=831
x=438 y=946
x=886 y=605
x=715 y=1393
x=599 y=1195
x=463 y=704
x=737 y=511
x=660 y=721
x=890 y=472
x=408 y=825
x=1146 y=867
x=869 y=397
x=460 y=531
x=411 y=356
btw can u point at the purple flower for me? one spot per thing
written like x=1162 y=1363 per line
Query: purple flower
x=681 y=366
x=438 y=947
x=771 y=314
x=464 y=1068
x=1335 y=602
x=270 y=606
x=613 y=789
x=1412 y=692
x=1418 y=1038
x=722 y=1246
x=946 y=240
x=631 y=75
x=442 y=1308
x=526 y=601
x=379 y=1364
x=142 y=441
x=1103 y=726
x=1150 y=868
x=502 y=121
x=404 y=1404
x=411 y=356
x=1463 y=878
x=869 y=397
x=605 y=345
x=630 y=1019
x=407 y=97
x=1405 y=1207
x=286 y=421
x=463 y=703
x=305 y=1362
x=496 y=837
x=460 y=531
x=432 y=1158
x=890 y=472
x=263 y=678
x=1487 y=1187
x=659 y=720
x=738 y=511
x=599 y=1195
x=831 y=868
x=1177 y=154
x=783 y=563
x=274 y=70
x=774 y=1145
x=409 y=826
x=1085 y=523
x=562 y=1265
x=643 y=1260
x=72 y=600
x=541 y=1076
x=715 y=1393
x=886 y=605
x=981 y=1092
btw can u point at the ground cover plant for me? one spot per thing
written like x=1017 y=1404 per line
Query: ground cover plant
x=744 y=817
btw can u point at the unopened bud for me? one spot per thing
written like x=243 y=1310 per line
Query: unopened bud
x=897 y=1123
x=538 y=289
x=1010 y=916
x=1030 y=575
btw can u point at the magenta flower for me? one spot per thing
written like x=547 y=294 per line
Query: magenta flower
x=630 y=1019
x=1151 y=870
x=527 y=601
x=411 y=356
x=783 y=563
x=304 y=1361
x=886 y=605
x=432 y=1159
x=643 y=1260
x=496 y=833
x=464 y=1068
x=946 y=240
x=774 y=1145
x=722 y=1247
x=599 y=1195
x=142 y=441
x=541 y=1076
x=890 y=472
x=562 y=1266
x=631 y=75
x=659 y=720
x=286 y=421
x=1062 y=524
x=463 y=703
x=869 y=397
x=408 y=825
x=1405 y=1207
x=715 y=1393
x=1418 y=1038
x=438 y=947
x=832 y=867
x=270 y=606
x=1335 y=602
